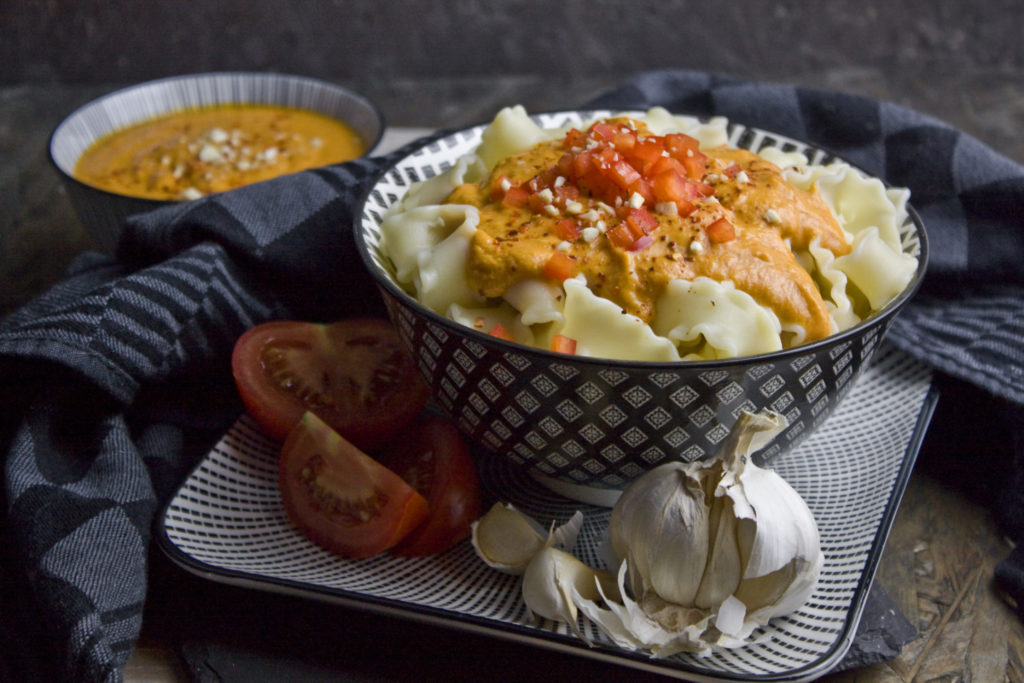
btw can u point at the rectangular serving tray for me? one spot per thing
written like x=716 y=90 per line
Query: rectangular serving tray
x=226 y=524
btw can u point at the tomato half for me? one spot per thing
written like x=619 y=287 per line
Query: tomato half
x=434 y=460
x=354 y=374
x=341 y=498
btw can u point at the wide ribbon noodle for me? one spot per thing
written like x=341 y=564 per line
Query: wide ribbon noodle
x=645 y=237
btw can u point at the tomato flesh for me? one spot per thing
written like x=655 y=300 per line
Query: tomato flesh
x=355 y=374
x=341 y=498
x=434 y=459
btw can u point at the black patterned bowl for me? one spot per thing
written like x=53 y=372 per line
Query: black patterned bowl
x=586 y=427
x=103 y=213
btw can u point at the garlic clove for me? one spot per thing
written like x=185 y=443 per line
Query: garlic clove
x=784 y=526
x=660 y=525
x=778 y=540
x=506 y=539
x=724 y=568
x=555 y=581
x=798 y=591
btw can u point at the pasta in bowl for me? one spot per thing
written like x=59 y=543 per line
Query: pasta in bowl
x=594 y=293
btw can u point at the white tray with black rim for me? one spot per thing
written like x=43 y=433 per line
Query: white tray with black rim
x=226 y=523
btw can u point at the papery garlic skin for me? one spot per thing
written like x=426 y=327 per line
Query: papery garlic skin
x=555 y=582
x=723 y=543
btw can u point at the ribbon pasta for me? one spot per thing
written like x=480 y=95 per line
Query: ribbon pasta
x=428 y=242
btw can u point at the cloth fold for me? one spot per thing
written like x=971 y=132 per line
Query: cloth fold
x=118 y=381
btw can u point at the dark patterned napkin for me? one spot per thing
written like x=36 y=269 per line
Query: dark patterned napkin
x=116 y=382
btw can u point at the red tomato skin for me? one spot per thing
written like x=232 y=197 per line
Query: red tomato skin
x=402 y=508
x=454 y=488
x=275 y=416
x=277 y=410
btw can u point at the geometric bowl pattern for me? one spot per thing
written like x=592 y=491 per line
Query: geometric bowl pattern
x=595 y=424
x=226 y=523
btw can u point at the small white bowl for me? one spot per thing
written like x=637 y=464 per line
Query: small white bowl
x=103 y=212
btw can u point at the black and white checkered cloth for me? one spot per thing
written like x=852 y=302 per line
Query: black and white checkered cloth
x=117 y=381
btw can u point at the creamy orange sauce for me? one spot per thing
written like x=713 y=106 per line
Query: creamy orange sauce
x=195 y=152
x=514 y=244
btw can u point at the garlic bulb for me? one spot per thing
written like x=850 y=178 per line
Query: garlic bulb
x=706 y=553
x=715 y=549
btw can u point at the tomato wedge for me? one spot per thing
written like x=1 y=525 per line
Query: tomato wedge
x=434 y=460
x=341 y=498
x=355 y=374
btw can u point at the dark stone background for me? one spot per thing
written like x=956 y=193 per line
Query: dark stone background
x=936 y=54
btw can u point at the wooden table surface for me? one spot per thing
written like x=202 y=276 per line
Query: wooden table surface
x=938 y=563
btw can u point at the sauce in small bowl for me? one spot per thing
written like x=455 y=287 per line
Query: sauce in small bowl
x=180 y=138
x=192 y=153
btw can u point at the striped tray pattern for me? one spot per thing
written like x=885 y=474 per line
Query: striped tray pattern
x=226 y=523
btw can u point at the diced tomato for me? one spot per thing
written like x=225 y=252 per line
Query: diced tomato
x=567 y=229
x=500 y=332
x=696 y=164
x=624 y=141
x=516 y=198
x=623 y=174
x=602 y=131
x=620 y=236
x=641 y=222
x=645 y=153
x=679 y=145
x=537 y=202
x=564 y=165
x=612 y=163
x=543 y=180
x=641 y=242
x=664 y=164
x=500 y=186
x=721 y=231
x=685 y=207
x=567 y=193
x=642 y=187
x=669 y=186
x=562 y=344
x=559 y=266
x=575 y=138
x=605 y=158
x=732 y=170
x=582 y=163
x=701 y=189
